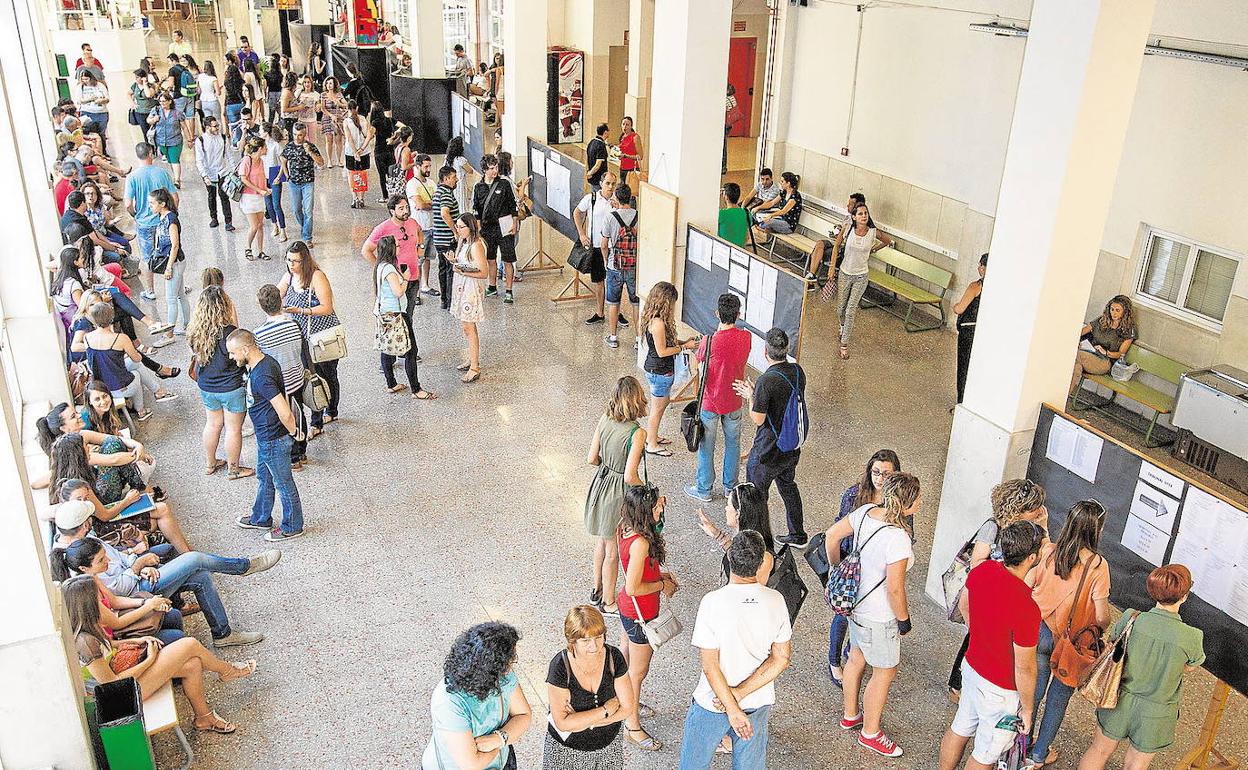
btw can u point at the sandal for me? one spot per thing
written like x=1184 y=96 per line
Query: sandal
x=424 y=395
x=216 y=466
x=645 y=712
x=649 y=743
x=240 y=472
x=595 y=596
x=844 y=352
x=472 y=376
x=313 y=433
x=664 y=441
x=158 y=495
x=399 y=388
x=173 y=372
x=660 y=452
x=249 y=256
x=328 y=419
x=216 y=725
x=263 y=256
x=463 y=367
x=239 y=671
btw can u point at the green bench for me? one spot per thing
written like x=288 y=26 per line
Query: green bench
x=892 y=278
x=1160 y=403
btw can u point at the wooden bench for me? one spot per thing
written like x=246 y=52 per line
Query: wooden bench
x=803 y=245
x=1160 y=403
x=893 y=279
x=160 y=714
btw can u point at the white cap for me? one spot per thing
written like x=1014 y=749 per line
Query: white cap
x=71 y=514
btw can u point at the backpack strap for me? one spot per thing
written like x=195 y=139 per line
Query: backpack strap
x=859 y=549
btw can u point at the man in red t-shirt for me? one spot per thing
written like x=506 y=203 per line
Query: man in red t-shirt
x=64 y=186
x=721 y=406
x=999 y=673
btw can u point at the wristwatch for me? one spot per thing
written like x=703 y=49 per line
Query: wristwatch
x=503 y=734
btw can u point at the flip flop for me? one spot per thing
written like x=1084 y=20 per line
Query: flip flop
x=397 y=388
x=241 y=472
x=660 y=452
x=472 y=376
x=463 y=367
x=427 y=395
x=664 y=441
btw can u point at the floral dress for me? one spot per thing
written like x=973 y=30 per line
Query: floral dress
x=333 y=109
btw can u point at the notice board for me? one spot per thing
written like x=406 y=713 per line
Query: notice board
x=1154 y=516
x=468 y=121
x=770 y=296
x=557 y=184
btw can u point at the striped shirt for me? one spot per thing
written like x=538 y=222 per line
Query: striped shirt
x=282 y=339
x=444 y=236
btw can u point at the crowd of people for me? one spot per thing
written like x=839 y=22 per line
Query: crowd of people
x=130 y=575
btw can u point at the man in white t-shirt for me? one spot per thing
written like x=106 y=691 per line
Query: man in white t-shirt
x=881 y=614
x=588 y=223
x=743 y=632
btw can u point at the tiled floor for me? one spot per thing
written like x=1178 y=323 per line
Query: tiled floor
x=424 y=518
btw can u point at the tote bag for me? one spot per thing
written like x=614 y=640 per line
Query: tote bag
x=1103 y=680
x=390 y=333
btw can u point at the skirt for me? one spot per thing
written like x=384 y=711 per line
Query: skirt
x=556 y=756
x=467 y=299
x=251 y=203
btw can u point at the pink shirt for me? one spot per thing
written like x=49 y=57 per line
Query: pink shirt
x=407 y=237
x=253 y=172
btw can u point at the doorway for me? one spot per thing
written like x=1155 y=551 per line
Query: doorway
x=742 y=61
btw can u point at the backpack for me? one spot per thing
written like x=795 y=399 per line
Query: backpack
x=625 y=247
x=396 y=176
x=795 y=425
x=844 y=581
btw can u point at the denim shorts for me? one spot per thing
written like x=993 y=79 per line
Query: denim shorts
x=660 y=384
x=880 y=642
x=617 y=280
x=234 y=401
x=633 y=630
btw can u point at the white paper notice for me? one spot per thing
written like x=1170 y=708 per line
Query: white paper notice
x=1213 y=543
x=558 y=197
x=1145 y=540
x=537 y=161
x=738 y=277
x=740 y=257
x=758 y=353
x=1165 y=481
x=719 y=255
x=762 y=310
x=1075 y=449
x=1153 y=507
x=700 y=250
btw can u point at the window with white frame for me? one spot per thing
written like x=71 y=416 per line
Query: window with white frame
x=494 y=23
x=1188 y=279
x=456 y=26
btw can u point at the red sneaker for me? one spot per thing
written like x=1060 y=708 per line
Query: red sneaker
x=881 y=744
x=851 y=724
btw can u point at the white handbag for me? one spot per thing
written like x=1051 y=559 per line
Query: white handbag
x=328 y=345
x=664 y=628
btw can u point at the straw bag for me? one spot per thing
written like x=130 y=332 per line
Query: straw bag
x=1101 y=682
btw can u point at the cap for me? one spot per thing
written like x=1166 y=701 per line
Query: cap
x=72 y=513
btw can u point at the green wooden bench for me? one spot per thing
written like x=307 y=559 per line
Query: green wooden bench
x=892 y=278
x=1160 y=403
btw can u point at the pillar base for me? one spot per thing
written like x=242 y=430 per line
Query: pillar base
x=981 y=455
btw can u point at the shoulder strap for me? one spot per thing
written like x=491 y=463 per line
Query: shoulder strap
x=1076 y=604
x=706 y=365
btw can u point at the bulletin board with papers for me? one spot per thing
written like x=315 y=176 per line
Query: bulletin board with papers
x=1154 y=516
x=770 y=296
x=557 y=185
x=468 y=121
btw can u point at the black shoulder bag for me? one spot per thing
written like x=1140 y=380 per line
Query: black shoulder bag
x=691 y=426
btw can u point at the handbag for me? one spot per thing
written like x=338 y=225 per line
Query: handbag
x=816 y=555
x=127 y=658
x=691 y=426
x=1102 y=680
x=1073 y=654
x=663 y=628
x=315 y=393
x=954 y=580
x=148 y=626
x=396 y=176
x=390 y=333
x=788 y=583
x=359 y=181
x=232 y=184
x=581 y=258
x=132 y=116
x=328 y=344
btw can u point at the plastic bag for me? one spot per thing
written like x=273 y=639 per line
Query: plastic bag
x=1123 y=372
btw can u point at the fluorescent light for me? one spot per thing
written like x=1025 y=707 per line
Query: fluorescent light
x=1005 y=30
x=1001 y=30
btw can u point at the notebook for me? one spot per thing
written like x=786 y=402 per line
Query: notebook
x=143 y=505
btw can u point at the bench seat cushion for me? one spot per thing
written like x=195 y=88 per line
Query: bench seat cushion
x=1137 y=391
x=901 y=288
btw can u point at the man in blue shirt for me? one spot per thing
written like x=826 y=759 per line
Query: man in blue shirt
x=139 y=184
x=276 y=430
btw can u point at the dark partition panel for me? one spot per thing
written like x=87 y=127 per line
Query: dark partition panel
x=373 y=63
x=423 y=104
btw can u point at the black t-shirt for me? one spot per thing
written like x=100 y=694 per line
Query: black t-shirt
x=771 y=397
x=594 y=152
x=358 y=90
x=383 y=128
x=273 y=80
x=75 y=225
x=558 y=675
x=490 y=206
x=175 y=72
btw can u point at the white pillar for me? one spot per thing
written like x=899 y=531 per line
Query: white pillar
x=524 y=78
x=687 y=107
x=426 y=39
x=640 y=61
x=1075 y=93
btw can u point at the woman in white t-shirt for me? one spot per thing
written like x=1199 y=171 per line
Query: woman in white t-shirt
x=274 y=143
x=210 y=92
x=861 y=239
x=881 y=614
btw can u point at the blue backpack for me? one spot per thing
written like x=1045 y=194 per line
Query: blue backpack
x=796 y=423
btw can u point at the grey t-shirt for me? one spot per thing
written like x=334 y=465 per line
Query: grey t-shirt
x=610 y=230
x=987 y=533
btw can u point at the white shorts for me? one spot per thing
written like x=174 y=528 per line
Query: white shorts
x=880 y=642
x=251 y=203
x=980 y=707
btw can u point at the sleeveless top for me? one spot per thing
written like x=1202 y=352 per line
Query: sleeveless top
x=628 y=145
x=651 y=573
x=969 y=318
x=857 y=252
x=109 y=366
x=308 y=324
x=655 y=363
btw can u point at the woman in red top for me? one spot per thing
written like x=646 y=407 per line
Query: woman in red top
x=630 y=152
x=642 y=550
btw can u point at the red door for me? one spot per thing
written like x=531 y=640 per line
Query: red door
x=741 y=52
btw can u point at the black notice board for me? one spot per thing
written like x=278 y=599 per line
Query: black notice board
x=468 y=121
x=539 y=189
x=424 y=105
x=700 y=295
x=1116 y=478
x=373 y=63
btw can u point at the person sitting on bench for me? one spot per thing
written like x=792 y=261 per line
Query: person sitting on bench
x=765 y=195
x=1104 y=340
x=783 y=217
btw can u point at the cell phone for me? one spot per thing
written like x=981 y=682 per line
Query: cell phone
x=403 y=269
x=1010 y=722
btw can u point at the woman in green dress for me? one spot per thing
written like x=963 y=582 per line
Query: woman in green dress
x=617 y=452
x=1160 y=651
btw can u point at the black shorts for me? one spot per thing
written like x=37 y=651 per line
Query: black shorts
x=363 y=164
x=499 y=245
x=598 y=267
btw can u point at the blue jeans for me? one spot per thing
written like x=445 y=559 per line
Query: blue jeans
x=1055 y=702
x=838 y=649
x=273 y=471
x=176 y=299
x=301 y=203
x=171 y=629
x=273 y=201
x=732 y=449
x=704 y=730
x=234 y=114
x=146 y=236
x=193 y=570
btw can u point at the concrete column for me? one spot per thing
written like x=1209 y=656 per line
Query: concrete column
x=687 y=107
x=426 y=41
x=640 y=65
x=1075 y=93
x=524 y=78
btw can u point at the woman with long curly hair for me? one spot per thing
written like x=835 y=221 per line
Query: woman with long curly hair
x=881 y=614
x=221 y=387
x=658 y=319
x=642 y=552
x=1108 y=338
x=308 y=299
x=468 y=290
x=478 y=709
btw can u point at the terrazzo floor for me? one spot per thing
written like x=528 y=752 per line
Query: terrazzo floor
x=424 y=518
